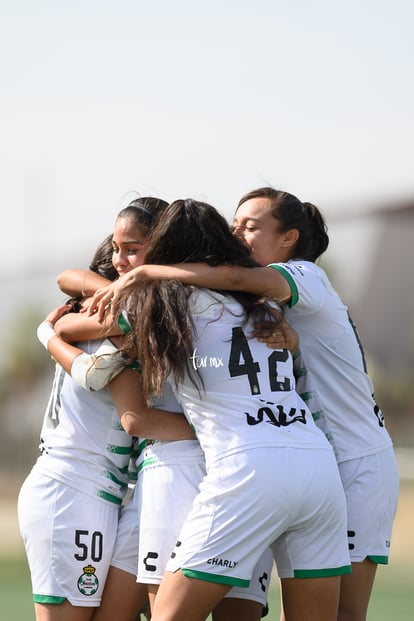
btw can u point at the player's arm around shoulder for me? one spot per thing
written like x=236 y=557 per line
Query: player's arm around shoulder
x=82 y=327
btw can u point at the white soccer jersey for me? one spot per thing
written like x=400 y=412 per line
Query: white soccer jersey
x=82 y=441
x=335 y=362
x=162 y=453
x=252 y=401
x=271 y=476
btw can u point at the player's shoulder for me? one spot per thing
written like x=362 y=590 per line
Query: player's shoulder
x=208 y=303
x=297 y=269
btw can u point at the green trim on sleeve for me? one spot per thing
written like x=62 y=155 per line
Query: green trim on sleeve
x=109 y=497
x=293 y=288
x=125 y=327
x=110 y=475
x=123 y=323
x=116 y=449
x=141 y=445
x=135 y=366
x=149 y=461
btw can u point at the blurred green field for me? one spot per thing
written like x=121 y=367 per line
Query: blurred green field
x=393 y=596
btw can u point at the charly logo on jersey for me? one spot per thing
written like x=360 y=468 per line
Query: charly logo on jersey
x=222 y=562
x=88 y=583
x=203 y=362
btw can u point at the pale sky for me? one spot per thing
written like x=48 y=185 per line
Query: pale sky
x=103 y=99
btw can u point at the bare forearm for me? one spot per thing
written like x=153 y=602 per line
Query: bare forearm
x=81 y=327
x=258 y=280
x=198 y=274
x=155 y=424
x=62 y=352
x=263 y=281
x=78 y=282
x=140 y=420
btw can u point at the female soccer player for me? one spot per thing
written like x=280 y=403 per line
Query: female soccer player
x=69 y=504
x=169 y=472
x=271 y=476
x=289 y=236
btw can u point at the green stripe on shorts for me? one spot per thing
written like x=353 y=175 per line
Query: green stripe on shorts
x=322 y=573
x=48 y=599
x=380 y=560
x=202 y=575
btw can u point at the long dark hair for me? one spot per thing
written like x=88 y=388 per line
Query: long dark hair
x=162 y=332
x=291 y=213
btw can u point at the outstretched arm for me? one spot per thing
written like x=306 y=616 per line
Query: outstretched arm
x=260 y=280
x=140 y=420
